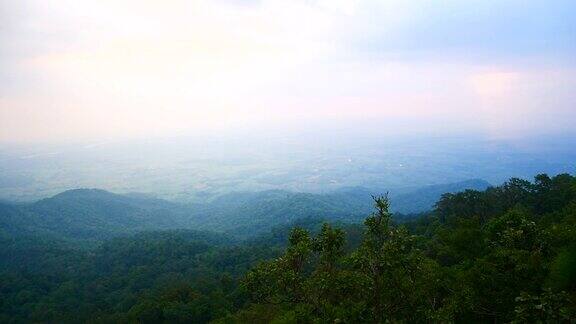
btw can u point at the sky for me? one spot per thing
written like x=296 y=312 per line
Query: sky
x=89 y=70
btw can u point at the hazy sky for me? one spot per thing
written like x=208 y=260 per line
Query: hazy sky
x=72 y=69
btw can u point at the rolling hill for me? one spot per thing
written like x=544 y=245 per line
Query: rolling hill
x=94 y=214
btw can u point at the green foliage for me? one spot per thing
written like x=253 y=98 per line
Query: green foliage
x=506 y=254
x=548 y=307
x=91 y=215
x=167 y=276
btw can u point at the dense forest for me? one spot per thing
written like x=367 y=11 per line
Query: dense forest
x=92 y=215
x=504 y=254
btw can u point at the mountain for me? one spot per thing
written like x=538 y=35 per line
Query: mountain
x=404 y=200
x=90 y=214
x=249 y=213
x=423 y=199
x=484 y=250
x=93 y=214
x=17 y=221
x=246 y=214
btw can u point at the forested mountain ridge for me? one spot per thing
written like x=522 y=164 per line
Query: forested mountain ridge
x=423 y=199
x=94 y=214
x=505 y=254
x=245 y=213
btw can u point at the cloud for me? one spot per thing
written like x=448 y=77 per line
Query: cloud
x=493 y=84
x=76 y=69
x=480 y=31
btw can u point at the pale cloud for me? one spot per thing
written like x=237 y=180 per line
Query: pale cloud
x=495 y=84
x=89 y=69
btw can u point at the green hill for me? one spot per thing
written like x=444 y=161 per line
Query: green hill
x=93 y=214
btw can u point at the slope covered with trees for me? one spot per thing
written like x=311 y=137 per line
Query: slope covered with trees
x=91 y=215
x=505 y=254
